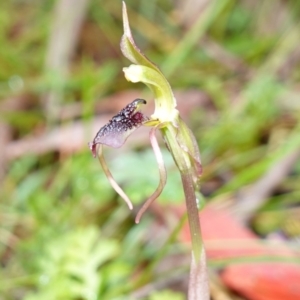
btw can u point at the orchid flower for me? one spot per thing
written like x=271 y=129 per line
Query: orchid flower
x=115 y=133
x=178 y=138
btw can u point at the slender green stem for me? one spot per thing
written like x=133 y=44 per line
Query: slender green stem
x=192 y=211
x=182 y=161
x=198 y=284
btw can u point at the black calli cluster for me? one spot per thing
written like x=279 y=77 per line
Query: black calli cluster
x=117 y=130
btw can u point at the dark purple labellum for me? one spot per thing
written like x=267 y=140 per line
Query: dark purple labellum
x=117 y=130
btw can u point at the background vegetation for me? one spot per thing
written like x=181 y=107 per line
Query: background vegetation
x=235 y=68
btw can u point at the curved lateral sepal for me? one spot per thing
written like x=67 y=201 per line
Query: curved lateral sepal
x=110 y=178
x=162 y=174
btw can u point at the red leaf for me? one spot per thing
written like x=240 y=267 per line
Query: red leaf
x=264 y=281
x=225 y=237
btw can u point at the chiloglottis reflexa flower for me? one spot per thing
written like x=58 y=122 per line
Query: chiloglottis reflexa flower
x=115 y=133
x=178 y=138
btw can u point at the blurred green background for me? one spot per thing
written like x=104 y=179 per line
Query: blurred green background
x=235 y=69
